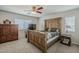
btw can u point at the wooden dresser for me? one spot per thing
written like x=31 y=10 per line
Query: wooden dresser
x=8 y=32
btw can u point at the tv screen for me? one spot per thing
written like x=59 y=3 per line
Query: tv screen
x=32 y=26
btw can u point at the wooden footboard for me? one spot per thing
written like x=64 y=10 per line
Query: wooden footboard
x=38 y=39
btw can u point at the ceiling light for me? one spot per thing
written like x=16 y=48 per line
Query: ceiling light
x=34 y=12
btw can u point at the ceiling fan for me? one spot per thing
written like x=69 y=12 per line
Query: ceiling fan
x=37 y=9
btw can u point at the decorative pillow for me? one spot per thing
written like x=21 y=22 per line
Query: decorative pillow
x=46 y=29
x=53 y=30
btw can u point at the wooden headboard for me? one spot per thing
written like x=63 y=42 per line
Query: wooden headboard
x=53 y=23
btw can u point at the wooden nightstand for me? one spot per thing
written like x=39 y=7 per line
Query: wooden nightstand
x=65 y=39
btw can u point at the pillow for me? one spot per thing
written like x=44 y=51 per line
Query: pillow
x=46 y=29
x=53 y=29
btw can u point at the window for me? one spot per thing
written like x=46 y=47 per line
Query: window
x=70 y=24
x=22 y=24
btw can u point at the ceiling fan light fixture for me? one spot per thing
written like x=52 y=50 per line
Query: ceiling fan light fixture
x=34 y=12
x=34 y=8
x=37 y=9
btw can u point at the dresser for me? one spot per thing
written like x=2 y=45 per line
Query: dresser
x=8 y=32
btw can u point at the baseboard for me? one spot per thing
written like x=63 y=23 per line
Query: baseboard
x=75 y=43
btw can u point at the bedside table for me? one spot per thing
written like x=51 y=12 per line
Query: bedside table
x=65 y=39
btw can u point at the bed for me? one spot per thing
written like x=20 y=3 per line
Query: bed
x=44 y=39
x=52 y=37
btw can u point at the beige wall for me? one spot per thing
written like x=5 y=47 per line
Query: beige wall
x=74 y=12
x=12 y=16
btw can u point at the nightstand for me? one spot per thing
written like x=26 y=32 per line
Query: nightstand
x=65 y=39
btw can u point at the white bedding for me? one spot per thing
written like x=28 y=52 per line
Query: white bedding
x=51 y=39
x=48 y=35
x=51 y=34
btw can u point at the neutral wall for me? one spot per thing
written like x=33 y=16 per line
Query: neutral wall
x=74 y=12
x=12 y=16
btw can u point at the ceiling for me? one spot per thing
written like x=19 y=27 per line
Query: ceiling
x=26 y=9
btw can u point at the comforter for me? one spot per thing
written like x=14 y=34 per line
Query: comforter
x=51 y=34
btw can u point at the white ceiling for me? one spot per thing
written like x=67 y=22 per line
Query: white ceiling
x=26 y=9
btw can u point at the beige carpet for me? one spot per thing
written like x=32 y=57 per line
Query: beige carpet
x=22 y=46
x=18 y=46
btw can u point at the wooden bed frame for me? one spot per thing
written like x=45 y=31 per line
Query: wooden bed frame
x=38 y=38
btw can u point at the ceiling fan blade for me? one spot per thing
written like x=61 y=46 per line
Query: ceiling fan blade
x=40 y=8
x=39 y=12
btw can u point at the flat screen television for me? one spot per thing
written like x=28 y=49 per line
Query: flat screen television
x=32 y=26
